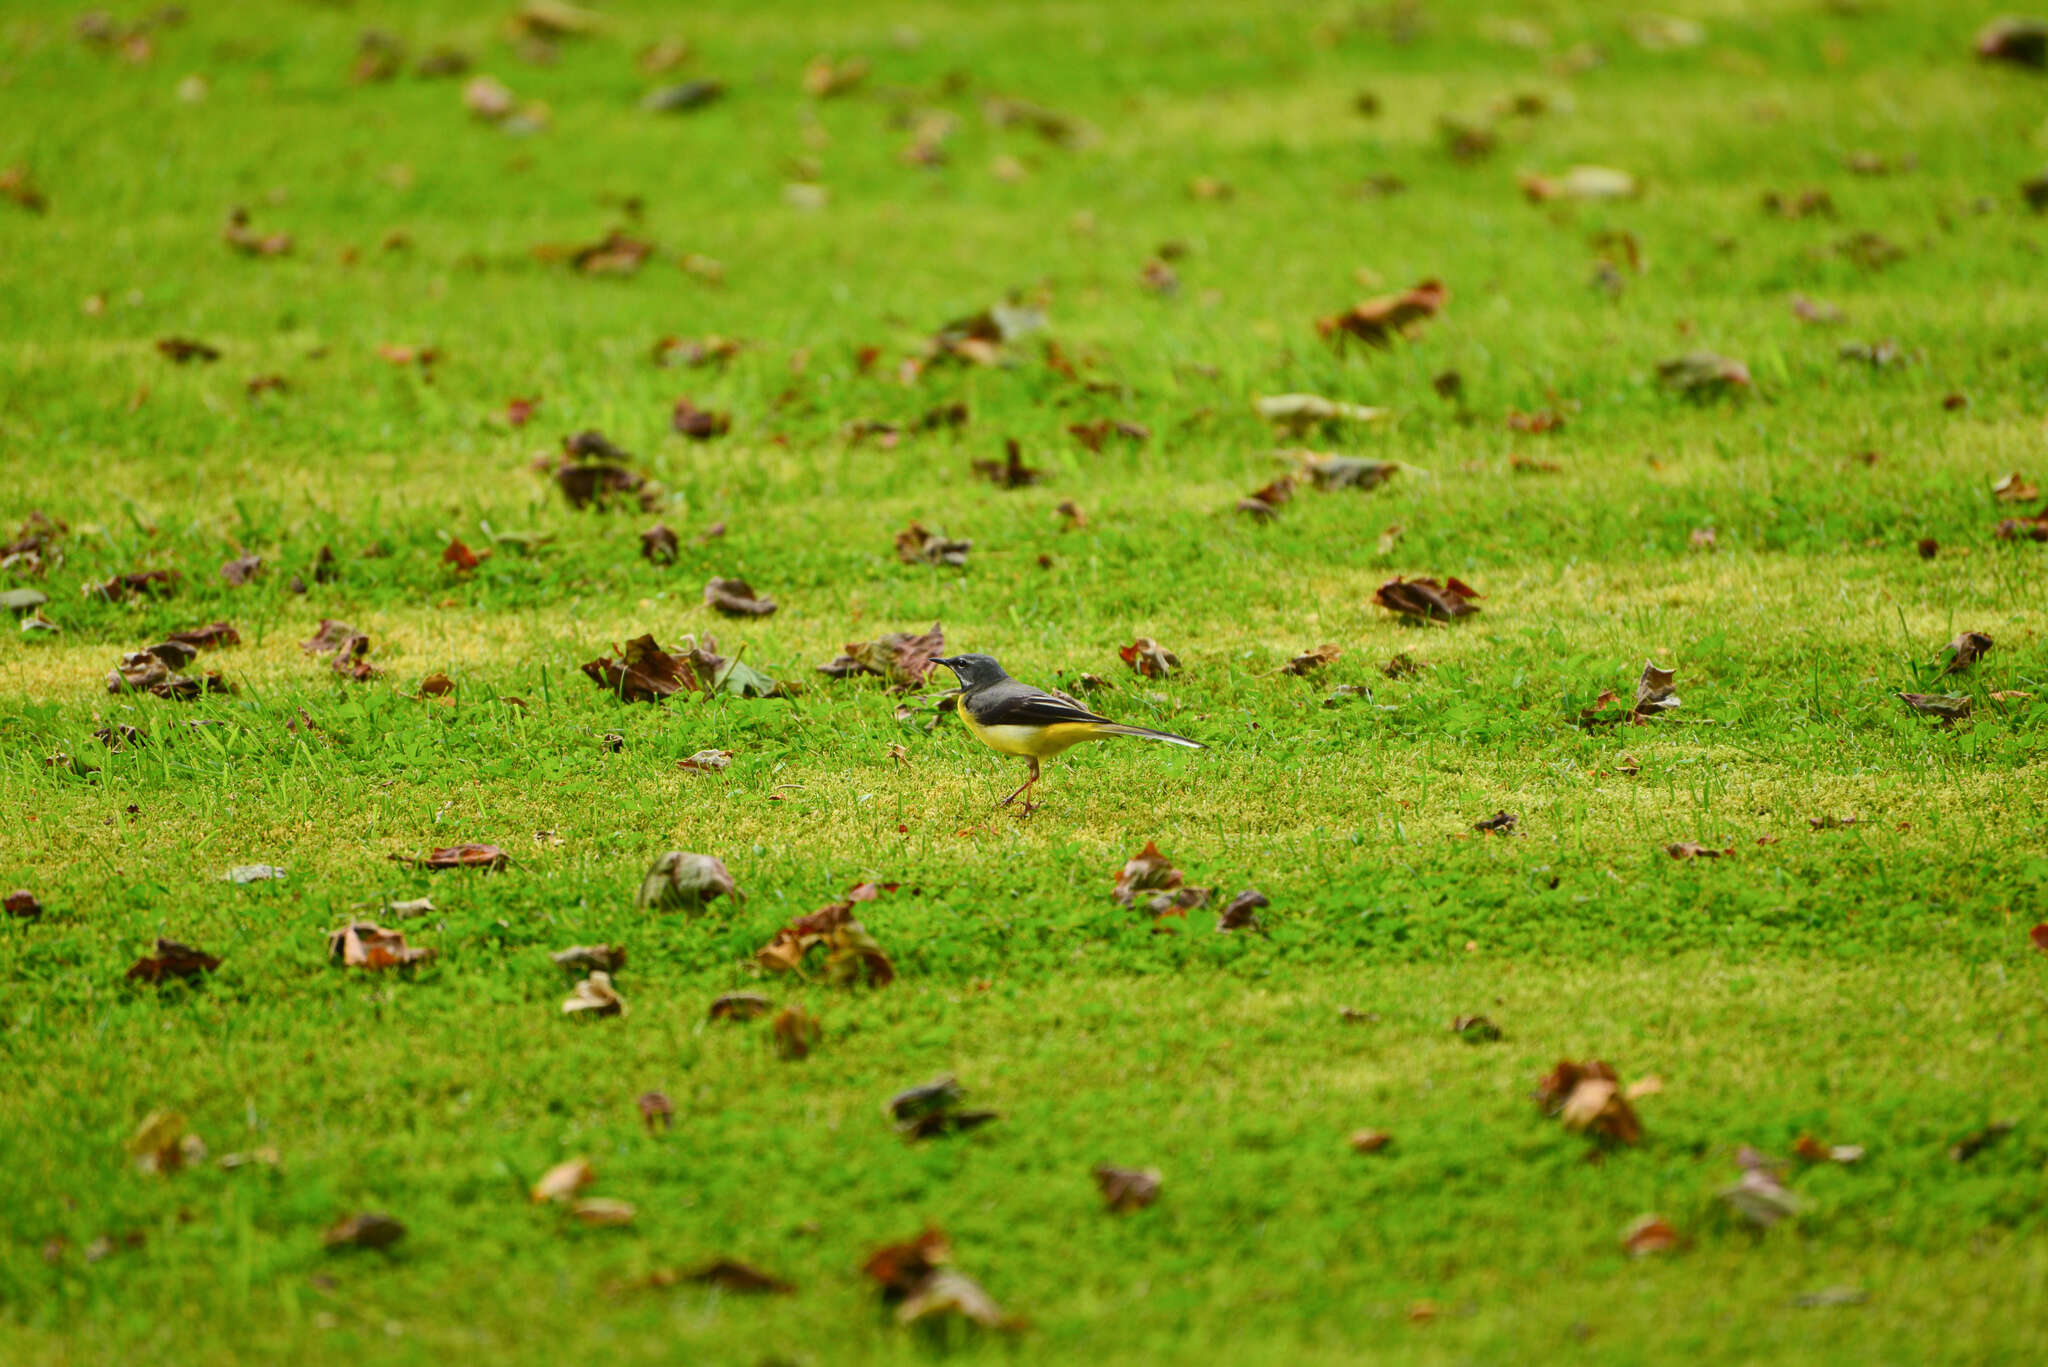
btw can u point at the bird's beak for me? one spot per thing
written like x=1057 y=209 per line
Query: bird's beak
x=946 y=660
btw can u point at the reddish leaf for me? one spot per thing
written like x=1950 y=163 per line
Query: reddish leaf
x=1127 y=1189
x=905 y=660
x=642 y=672
x=173 y=960
x=209 y=637
x=22 y=903
x=1426 y=598
x=461 y=557
x=698 y=423
x=1149 y=658
x=1376 y=322
x=489 y=858
x=362 y=944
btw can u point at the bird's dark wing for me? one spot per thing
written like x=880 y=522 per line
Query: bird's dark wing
x=1013 y=704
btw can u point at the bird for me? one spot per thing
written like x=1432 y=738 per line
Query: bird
x=1017 y=719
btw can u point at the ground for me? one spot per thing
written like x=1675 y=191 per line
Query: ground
x=1853 y=965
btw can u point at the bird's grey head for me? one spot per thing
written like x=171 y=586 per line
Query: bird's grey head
x=973 y=671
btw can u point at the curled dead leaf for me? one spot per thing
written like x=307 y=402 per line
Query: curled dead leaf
x=917 y=546
x=736 y=598
x=905 y=660
x=681 y=881
x=1242 y=912
x=602 y=1212
x=705 y=761
x=1376 y=322
x=1126 y=1189
x=1650 y=1234
x=1149 y=658
x=1426 y=599
x=585 y=958
x=595 y=995
x=365 y=1229
x=173 y=960
x=796 y=1032
x=1309 y=661
x=740 y=1006
x=1369 y=1141
x=366 y=945
x=1587 y=1098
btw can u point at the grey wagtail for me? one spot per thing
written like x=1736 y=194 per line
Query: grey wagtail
x=1018 y=719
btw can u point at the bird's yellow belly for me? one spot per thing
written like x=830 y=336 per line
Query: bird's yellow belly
x=1036 y=742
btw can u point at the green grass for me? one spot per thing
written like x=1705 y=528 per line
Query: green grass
x=1872 y=984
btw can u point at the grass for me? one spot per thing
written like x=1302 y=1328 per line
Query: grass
x=1869 y=984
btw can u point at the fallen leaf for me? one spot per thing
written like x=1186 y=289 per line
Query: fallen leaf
x=1146 y=871
x=212 y=636
x=681 y=881
x=237 y=233
x=729 y=1275
x=1949 y=707
x=1242 y=912
x=1654 y=691
x=2014 y=488
x=1149 y=658
x=1580 y=182
x=642 y=672
x=1347 y=472
x=1815 y=310
x=1970 y=1145
x=601 y=1212
x=1502 y=823
x=242 y=569
x=596 y=995
x=2021 y=42
x=364 y=944
x=1369 y=1141
x=658 y=544
x=366 y=1229
x=1807 y=1149
x=903 y=659
x=902 y=1267
x=146 y=583
x=696 y=353
x=1010 y=472
x=1095 y=435
x=16 y=185
x=150 y=671
x=181 y=350
x=1703 y=375
x=1587 y=1098
x=699 y=424
x=1126 y=1189
x=1263 y=504
x=1376 y=322
x=2039 y=935
x=461 y=557
x=852 y=955
x=173 y=960
x=1426 y=599
x=736 y=598
x=1475 y=1030
x=796 y=1032
x=1830 y=822
x=825 y=78
x=161 y=1144
x=706 y=761
x=740 y=1006
x=252 y=873
x=489 y=858
x=916 y=546
x=1309 y=661
x=606 y=958
x=1760 y=1197
x=436 y=686
x=1295 y=414
x=1692 y=849
x=1650 y=1234
x=683 y=97
x=656 y=1111
x=22 y=903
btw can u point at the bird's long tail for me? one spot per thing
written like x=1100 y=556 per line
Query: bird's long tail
x=1118 y=729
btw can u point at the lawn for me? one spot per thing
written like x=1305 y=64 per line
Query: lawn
x=428 y=247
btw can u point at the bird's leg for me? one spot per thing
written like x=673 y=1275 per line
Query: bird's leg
x=1025 y=786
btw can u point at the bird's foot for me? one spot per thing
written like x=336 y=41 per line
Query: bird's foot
x=1024 y=812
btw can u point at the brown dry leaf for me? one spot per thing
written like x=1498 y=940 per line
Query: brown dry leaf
x=902 y=1267
x=681 y=881
x=736 y=598
x=1703 y=539
x=2014 y=488
x=602 y=1212
x=1149 y=658
x=173 y=960
x=1949 y=707
x=1376 y=322
x=1650 y=1234
x=1147 y=871
x=1263 y=504
x=1807 y=1149
x=916 y=546
x=1970 y=1145
x=695 y=353
x=852 y=955
x=1295 y=414
x=241 y=569
x=1703 y=375
x=1010 y=472
x=519 y=412
x=596 y=995
x=2033 y=528
x=2039 y=935
x=1815 y=310
x=1096 y=434
x=659 y=545
x=1760 y=1197
x=16 y=186
x=642 y=672
x=1309 y=661
x=1347 y=472
x=22 y=903
x=1588 y=1099
x=740 y=1006
x=1369 y=1141
x=146 y=583
x=1426 y=599
x=237 y=233
x=1126 y=1189
x=180 y=350
x=607 y=958
x=728 y=1274
x=363 y=944
x=2021 y=42
x=1654 y=691
x=150 y=671
x=699 y=424
x=489 y=858
x=796 y=1032
x=1476 y=1030
x=1242 y=912
x=1580 y=182
x=706 y=761
x=656 y=1111
x=1692 y=849
x=824 y=78
x=422 y=356
x=1501 y=823
x=366 y=1229
x=903 y=659
x=161 y=1144
x=594 y=484
x=461 y=557
x=436 y=686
